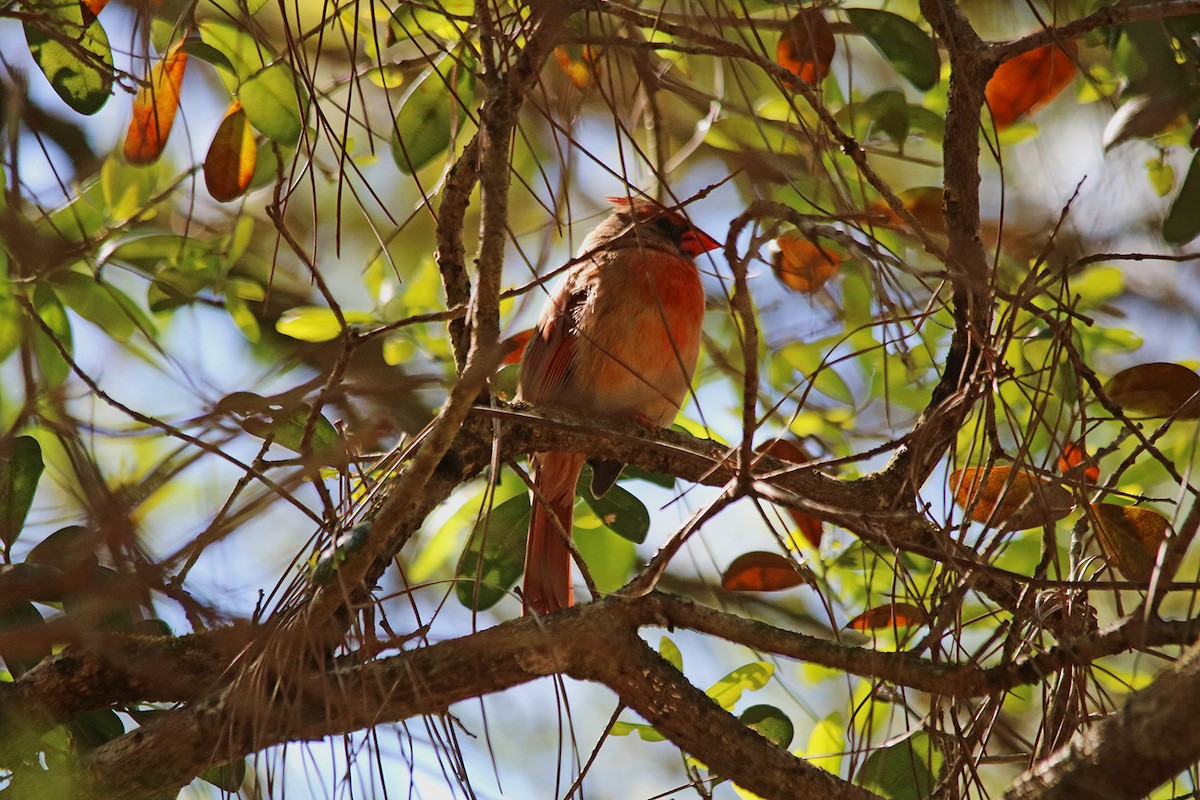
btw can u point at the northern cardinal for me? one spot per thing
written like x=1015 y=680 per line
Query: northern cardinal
x=618 y=338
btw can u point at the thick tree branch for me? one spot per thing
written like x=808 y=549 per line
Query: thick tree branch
x=1153 y=737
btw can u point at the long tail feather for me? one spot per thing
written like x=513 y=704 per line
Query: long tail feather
x=547 y=557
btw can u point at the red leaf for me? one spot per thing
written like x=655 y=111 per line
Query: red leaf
x=1072 y=456
x=892 y=615
x=760 y=571
x=806 y=48
x=1029 y=81
x=1010 y=496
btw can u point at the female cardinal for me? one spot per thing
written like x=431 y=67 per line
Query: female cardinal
x=618 y=338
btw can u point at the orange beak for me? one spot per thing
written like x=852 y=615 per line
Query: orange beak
x=694 y=242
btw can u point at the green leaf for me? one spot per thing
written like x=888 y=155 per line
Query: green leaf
x=646 y=732
x=621 y=512
x=66 y=548
x=771 y=723
x=610 y=558
x=656 y=478
x=91 y=729
x=494 y=557
x=1183 y=221
x=284 y=423
x=242 y=316
x=749 y=678
x=10 y=315
x=827 y=743
x=21 y=467
x=316 y=323
x=96 y=302
x=243 y=54
x=429 y=112
x=668 y=650
x=206 y=52
x=227 y=777
x=23 y=651
x=71 y=49
x=888 y=111
x=273 y=101
x=902 y=771
x=908 y=48
x=55 y=368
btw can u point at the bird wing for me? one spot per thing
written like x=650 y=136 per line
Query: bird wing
x=550 y=356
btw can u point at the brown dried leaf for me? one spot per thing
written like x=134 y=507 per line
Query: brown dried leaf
x=1130 y=537
x=1157 y=390
x=232 y=156
x=760 y=571
x=1010 y=496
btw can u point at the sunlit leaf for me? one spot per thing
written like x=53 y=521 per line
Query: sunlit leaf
x=1009 y=496
x=802 y=265
x=890 y=615
x=494 y=557
x=1157 y=390
x=1073 y=455
x=622 y=513
x=207 y=53
x=1029 y=81
x=71 y=48
x=317 y=324
x=749 y=678
x=760 y=571
x=97 y=302
x=645 y=732
x=902 y=42
x=668 y=650
x=807 y=45
x=273 y=102
x=21 y=468
x=154 y=108
x=1130 y=537
x=426 y=123
x=232 y=156
x=827 y=743
x=771 y=723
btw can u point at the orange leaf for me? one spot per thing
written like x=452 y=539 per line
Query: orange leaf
x=1009 y=496
x=923 y=202
x=759 y=571
x=95 y=6
x=1157 y=390
x=1130 y=537
x=154 y=109
x=232 y=156
x=519 y=339
x=892 y=615
x=578 y=64
x=1029 y=81
x=803 y=266
x=806 y=48
x=1072 y=456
